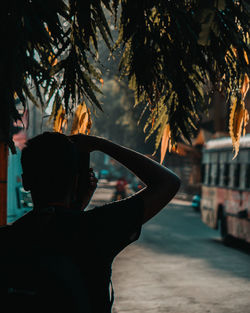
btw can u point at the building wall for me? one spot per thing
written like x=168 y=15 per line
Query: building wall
x=188 y=168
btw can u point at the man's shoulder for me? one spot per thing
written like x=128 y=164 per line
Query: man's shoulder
x=4 y=230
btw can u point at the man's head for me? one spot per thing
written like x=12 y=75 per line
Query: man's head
x=50 y=165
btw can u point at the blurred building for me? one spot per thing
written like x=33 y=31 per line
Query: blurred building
x=187 y=163
x=18 y=200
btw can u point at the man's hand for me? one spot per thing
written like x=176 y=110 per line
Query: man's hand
x=161 y=184
x=92 y=187
x=85 y=143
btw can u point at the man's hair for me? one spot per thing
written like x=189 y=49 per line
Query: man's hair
x=50 y=163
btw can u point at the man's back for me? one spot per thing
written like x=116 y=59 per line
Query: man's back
x=53 y=171
x=39 y=275
x=70 y=252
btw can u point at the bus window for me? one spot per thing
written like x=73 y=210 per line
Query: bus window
x=203 y=172
x=214 y=173
x=231 y=175
x=231 y=188
x=247 y=177
x=236 y=177
x=217 y=177
x=205 y=158
x=226 y=174
x=209 y=170
x=214 y=157
x=221 y=176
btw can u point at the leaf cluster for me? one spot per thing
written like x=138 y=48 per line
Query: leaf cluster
x=174 y=50
x=46 y=53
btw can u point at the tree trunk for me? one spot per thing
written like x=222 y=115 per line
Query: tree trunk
x=3 y=182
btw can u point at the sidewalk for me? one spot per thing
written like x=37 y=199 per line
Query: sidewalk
x=103 y=194
x=181 y=202
x=105 y=190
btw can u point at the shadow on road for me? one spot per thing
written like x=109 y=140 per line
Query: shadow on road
x=178 y=230
x=235 y=244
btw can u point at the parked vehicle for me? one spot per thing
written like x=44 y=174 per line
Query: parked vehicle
x=225 y=202
x=196 y=202
x=18 y=200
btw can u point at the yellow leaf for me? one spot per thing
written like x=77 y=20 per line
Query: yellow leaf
x=78 y=118
x=245 y=122
x=82 y=122
x=239 y=115
x=245 y=86
x=60 y=120
x=89 y=125
x=165 y=142
x=64 y=123
x=46 y=27
x=236 y=120
x=244 y=90
x=246 y=57
x=52 y=60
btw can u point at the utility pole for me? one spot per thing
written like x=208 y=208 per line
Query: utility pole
x=3 y=182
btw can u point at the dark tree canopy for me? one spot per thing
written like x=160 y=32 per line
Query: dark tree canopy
x=174 y=54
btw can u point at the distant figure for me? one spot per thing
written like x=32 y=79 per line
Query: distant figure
x=120 y=188
x=136 y=184
x=58 y=257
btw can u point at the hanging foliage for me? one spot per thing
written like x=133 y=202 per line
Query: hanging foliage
x=82 y=120
x=165 y=142
x=60 y=121
x=239 y=117
x=175 y=50
x=47 y=54
x=171 y=52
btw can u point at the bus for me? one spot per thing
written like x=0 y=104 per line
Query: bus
x=225 y=200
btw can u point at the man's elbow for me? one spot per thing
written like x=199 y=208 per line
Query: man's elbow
x=166 y=188
x=173 y=186
x=177 y=183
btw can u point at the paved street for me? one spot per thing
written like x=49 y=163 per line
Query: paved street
x=179 y=265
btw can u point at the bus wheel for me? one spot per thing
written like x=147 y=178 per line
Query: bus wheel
x=226 y=238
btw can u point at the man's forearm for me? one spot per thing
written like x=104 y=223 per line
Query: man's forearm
x=161 y=183
x=149 y=171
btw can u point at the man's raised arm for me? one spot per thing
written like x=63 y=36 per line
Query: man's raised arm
x=161 y=183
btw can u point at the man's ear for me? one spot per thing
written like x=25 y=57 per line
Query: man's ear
x=25 y=182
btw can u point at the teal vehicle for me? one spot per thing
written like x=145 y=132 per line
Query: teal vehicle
x=18 y=200
x=196 y=201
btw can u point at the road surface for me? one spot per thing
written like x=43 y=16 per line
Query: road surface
x=179 y=265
